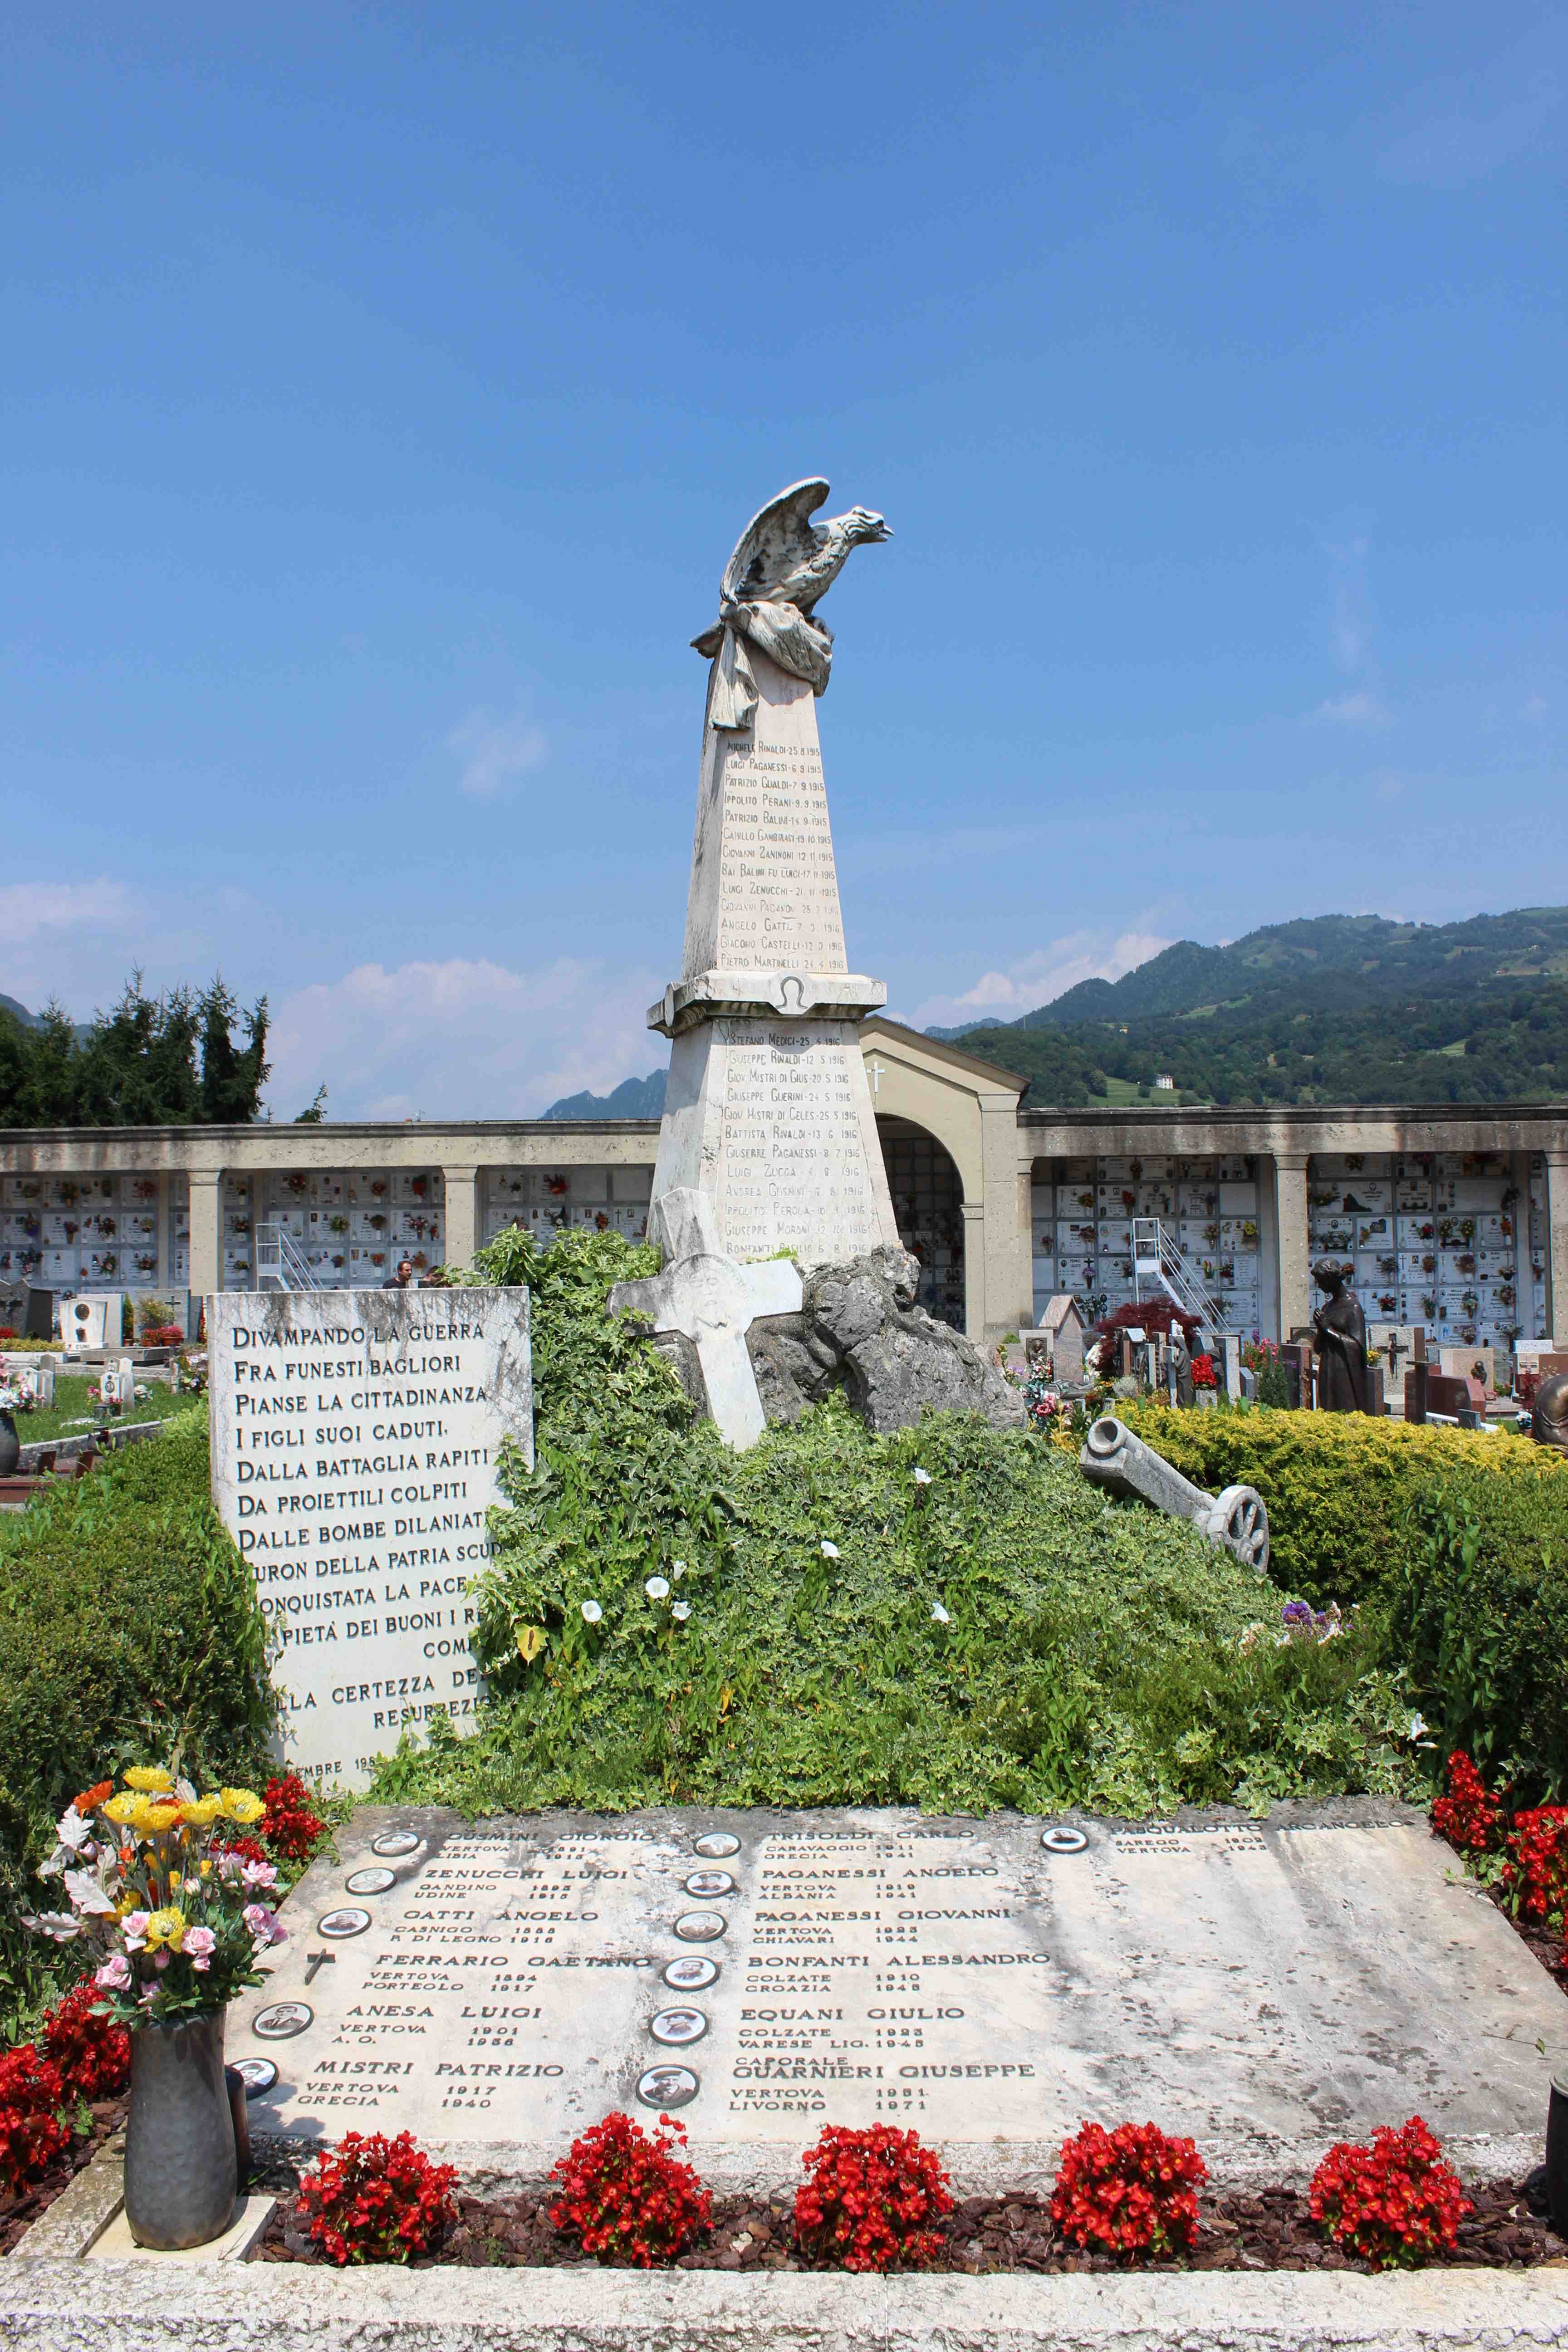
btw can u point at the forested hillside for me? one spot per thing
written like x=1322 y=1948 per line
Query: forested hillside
x=1352 y=1009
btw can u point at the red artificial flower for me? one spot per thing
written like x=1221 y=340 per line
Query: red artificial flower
x=1468 y=1816
x=91 y=2051
x=871 y=2197
x=90 y=1798
x=627 y=2195
x=1396 y=2202
x=1132 y=2190
x=32 y=2132
x=376 y=2201
x=289 y=1827
x=1535 y=1875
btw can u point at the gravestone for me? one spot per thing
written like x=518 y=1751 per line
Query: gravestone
x=91 y=1320
x=767 y=1107
x=1447 y=1394
x=356 y=1441
x=497 y=1987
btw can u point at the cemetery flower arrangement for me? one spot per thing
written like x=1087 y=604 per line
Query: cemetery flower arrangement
x=1394 y=2203
x=373 y=2199
x=628 y=2195
x=870 y=2198
x=1203 y=1374
x=179 y=1923
x=1132 y=2190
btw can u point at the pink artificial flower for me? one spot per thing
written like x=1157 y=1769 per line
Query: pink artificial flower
x=263 y=1925
x=161 y=1961
x=198 y=1946
x=134 y=1927
x=115 y=1973
x=260 y=1873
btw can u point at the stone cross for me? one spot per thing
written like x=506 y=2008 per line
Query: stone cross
x=712 y=1300
x=1236 y=1517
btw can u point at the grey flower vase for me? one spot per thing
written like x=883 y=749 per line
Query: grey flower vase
x=181 y=2174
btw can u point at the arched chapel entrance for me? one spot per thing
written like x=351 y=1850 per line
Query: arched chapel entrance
x=927 y=1202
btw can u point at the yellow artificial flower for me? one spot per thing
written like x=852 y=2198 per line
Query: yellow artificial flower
x=204 y=1811
x=123 y=1809
x=243 y=1805
x=155 y=1819
x=149 y=1777
x=166 y=1926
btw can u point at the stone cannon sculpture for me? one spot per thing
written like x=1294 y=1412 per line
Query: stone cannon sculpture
x=1237 y=1519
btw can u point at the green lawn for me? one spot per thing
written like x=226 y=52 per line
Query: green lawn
x=71 y=1412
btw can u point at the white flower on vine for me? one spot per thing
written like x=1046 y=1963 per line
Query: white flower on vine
x=681 y=1611
x=921 y=1477
x=679 y=1568
x=829 y=1551
x=591 y=1612
x=657 y=1587
x=939 y=1615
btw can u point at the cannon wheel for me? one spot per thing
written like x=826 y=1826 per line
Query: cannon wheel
x=1239 y=1519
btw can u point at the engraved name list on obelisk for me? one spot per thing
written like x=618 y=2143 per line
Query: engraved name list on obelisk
x=767 y=1110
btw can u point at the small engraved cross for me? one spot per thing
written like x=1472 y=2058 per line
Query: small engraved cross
x=314 y=1960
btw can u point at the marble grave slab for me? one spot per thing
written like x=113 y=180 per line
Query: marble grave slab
x=496 y=1987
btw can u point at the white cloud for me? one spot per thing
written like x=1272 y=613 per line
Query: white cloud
x=29 y=909
x=461 y=1039
x=1366 y=711
x=1039 y=978
x=495 y=751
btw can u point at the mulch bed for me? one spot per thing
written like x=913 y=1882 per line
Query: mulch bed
x=18 y=2214
x=1255 y=2230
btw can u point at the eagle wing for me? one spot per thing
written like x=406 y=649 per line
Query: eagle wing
x=775 y=545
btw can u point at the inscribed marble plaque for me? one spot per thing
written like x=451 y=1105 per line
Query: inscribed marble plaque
x=355 y=1438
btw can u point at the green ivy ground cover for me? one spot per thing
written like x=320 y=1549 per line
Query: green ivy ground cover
x=1090 y=1652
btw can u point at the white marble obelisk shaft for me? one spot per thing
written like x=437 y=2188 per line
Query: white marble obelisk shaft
x=767 y=1109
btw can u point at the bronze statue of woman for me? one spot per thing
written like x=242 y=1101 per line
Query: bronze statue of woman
x=1339 y=1335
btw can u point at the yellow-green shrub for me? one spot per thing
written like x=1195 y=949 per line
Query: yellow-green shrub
x=1456 y=1541
x=1343 y=1489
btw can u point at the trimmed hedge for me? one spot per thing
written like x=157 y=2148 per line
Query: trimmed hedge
x=1342 y=1487
x=1458 y=1541
x=129 y=1629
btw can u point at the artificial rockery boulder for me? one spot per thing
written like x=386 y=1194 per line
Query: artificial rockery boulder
x=859 y=1330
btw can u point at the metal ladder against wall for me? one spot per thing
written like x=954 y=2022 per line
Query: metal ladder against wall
x=280 y=1265
x=1157 y=1259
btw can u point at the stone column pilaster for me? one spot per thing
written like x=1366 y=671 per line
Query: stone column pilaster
x=1290 y=1241
x=461 y=1213
x=1556 y=1245
x=207 y=1223
x=974 y=1268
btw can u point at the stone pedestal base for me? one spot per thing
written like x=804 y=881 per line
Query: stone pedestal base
x=771 y=1118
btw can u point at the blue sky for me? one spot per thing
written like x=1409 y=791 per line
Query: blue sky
x=385 y=389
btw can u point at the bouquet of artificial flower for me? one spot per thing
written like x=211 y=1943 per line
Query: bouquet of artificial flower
x=181 y=1922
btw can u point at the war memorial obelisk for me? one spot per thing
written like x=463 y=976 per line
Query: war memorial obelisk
x=767 y=1110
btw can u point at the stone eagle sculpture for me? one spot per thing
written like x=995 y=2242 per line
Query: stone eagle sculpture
x=782 y=563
